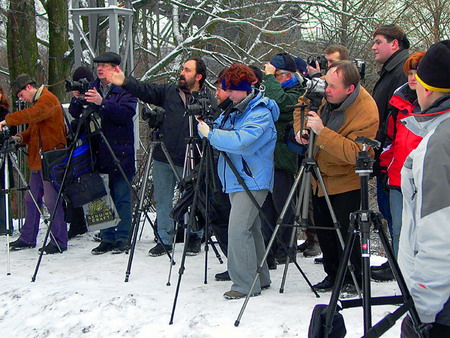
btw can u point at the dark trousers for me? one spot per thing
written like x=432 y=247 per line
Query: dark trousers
x=343 y=204
x=272 y=208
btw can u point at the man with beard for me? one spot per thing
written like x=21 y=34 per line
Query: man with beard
x=175 y=129
x=348 y=112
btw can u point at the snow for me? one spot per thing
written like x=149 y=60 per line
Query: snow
x=79 y=294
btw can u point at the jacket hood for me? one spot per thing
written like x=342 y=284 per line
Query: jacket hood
x=421 y=124
x=260 y=100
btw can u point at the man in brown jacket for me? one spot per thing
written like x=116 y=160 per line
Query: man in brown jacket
x=45 y=131
x=348 y=112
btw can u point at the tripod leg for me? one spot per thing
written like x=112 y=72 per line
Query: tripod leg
x=331 y=309
x=292 y=252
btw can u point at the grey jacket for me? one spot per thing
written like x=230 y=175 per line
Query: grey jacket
x=424 y=249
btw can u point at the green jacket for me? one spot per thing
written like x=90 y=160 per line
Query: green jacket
x=284 y=159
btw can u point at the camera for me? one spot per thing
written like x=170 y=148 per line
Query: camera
x=200 y=104
x=7 y=143
x=81 y=85
x=361 y=65
x=322 y=60
x=154 y=117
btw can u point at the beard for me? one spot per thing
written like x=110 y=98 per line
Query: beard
x=185 y=84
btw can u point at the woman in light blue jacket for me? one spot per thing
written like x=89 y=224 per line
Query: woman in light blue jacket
x=246 y=133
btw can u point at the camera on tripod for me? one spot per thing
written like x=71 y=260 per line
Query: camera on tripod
x=322 y=60
x=200 y=105
x=7 y=143
x=153 y=116
x=81 y=85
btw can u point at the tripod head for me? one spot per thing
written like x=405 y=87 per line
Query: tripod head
x=7 y=143
x=364 y=160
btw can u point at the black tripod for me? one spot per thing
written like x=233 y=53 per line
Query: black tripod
x=7 y=157
x=204 y=175
x=308 y=167
x=155 y=140
x=89 y=115
x=360 y=222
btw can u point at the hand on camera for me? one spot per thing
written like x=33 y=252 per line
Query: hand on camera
x=17 y=138
x=3 y=124
x=93 y=96
x=314 y=122
x=302 y=137
x=314 y=70
x=269 y=68
x=76 y=93
x=203 y=128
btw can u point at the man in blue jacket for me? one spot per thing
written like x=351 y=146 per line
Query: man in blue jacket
x=116 y=109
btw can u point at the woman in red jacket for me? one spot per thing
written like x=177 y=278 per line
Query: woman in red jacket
x=403 y=141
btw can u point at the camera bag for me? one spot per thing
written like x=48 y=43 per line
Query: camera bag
x=84 y=189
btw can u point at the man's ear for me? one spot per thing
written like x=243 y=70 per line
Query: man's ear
x=350 y=89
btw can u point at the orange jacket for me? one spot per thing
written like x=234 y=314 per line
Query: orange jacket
x=46 y=127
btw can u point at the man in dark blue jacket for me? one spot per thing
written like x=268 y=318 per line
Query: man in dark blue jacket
x=116 y=109
x=175 y=129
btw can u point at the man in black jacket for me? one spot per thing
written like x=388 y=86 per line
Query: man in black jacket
x=390 y=49
x=173 y=98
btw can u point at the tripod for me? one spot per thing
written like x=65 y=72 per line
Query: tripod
x=361 y=221
x=155 y=140
x=309 y=166
x=7 y=155
x=88 y=115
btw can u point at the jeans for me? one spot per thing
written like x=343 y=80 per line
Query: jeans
x=164 y=182
x=42 y=189
x=396 y=203
x=383 y=204
x=121 y=195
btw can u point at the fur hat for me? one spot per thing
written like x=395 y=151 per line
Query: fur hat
x=434 y=68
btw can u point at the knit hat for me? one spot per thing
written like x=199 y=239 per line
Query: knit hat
x=83 y=73
x=243 y=86
x=20 y=83
x=284 y=61
x=301 y=65
x=434 y=68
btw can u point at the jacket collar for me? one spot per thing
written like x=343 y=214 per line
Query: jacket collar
x=395 y=59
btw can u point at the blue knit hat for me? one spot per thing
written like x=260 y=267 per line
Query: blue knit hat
x=243 y=86
x=301 y=65
x=284 y=61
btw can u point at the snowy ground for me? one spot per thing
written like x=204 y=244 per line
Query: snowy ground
x=78 y=294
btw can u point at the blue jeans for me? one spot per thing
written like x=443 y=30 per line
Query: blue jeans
x=383 y=204
x=396 y=203
x=121 y=195
x=164 y=182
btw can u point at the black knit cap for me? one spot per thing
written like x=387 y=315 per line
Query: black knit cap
x=284 y=61
x=434 y=68
x=108 y=57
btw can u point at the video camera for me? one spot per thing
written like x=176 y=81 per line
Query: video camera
x=81 y=85
x=322 y=60
x=154 y=117
x=200 y=105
